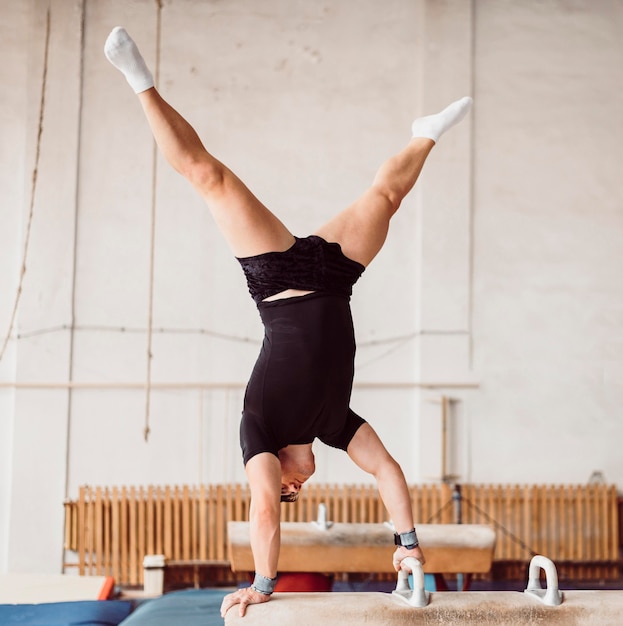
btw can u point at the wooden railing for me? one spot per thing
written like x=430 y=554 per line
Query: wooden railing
x=110 y=529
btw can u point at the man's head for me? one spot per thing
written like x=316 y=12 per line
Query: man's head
x=297 y=465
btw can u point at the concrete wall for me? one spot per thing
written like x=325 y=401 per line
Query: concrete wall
x=499 y=286
x=548 y=220
x=13 y=29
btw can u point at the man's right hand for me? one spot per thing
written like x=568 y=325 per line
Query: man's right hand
x=243 y=597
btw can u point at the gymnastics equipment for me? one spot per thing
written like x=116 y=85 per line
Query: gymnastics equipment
x=402 y=607
x=344 y=547
x=42 y=588
x=551 y=595
x=418 y=596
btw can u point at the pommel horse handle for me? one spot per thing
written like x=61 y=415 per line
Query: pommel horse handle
x=552 y=595
x=418 y=597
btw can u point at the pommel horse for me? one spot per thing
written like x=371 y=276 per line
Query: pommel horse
x=405 y=606
x=366 y=548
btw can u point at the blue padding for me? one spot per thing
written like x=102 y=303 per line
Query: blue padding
x=192 y=607
x=87 y=613
x=430 y=584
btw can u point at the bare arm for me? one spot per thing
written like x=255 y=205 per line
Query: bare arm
x=369 y=453
x=264 y=474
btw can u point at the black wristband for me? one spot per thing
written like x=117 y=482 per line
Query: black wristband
x=263 y=585
x=407 y=540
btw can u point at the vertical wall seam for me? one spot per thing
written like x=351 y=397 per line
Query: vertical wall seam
x=200 y=452
x=472 y=185
x=72 y=327
x=468 y=462
x=152 y=251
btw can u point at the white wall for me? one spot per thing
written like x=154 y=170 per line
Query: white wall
x=13 y=29
x=40 y=417
x=548 y=259
x=502 y=269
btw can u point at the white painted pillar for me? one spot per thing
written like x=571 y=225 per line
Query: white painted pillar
x=40 y=418
x=445 y=52
x=13 y=31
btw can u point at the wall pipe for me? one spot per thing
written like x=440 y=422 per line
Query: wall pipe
x=207 y=385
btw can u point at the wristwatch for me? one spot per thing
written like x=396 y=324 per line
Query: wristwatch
x=407 y=540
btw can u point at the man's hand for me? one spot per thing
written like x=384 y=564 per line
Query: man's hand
x=402 y=553
x=243 y=597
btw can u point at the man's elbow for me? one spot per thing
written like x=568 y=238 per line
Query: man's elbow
x=265 y=513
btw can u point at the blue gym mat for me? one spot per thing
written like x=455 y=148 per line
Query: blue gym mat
x=191 y=607
x=84 y=613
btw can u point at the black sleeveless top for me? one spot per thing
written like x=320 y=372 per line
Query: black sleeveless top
x=311 y=264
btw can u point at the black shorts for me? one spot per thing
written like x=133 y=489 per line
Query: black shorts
x=301 y=384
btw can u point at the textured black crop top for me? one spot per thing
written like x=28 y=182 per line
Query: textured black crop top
x=311 y=264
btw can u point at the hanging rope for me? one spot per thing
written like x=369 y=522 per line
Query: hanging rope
x=161 y=330
x=437 y=515
x=33 y=188
x=152 y=247
x=479 y=511
x=499 y=526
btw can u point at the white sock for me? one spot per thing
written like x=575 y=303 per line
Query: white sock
x=433 y=126
x=122 y=52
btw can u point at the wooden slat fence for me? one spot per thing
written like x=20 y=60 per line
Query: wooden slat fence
x=576 y=526
x=110 y=529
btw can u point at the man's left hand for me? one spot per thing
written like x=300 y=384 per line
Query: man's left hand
x=402 y=553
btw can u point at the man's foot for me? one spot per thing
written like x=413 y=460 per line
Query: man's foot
x=433 y=126
x=122 y=52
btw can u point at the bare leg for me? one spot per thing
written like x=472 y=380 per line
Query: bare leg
x=248 y=226
x=362 y=228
